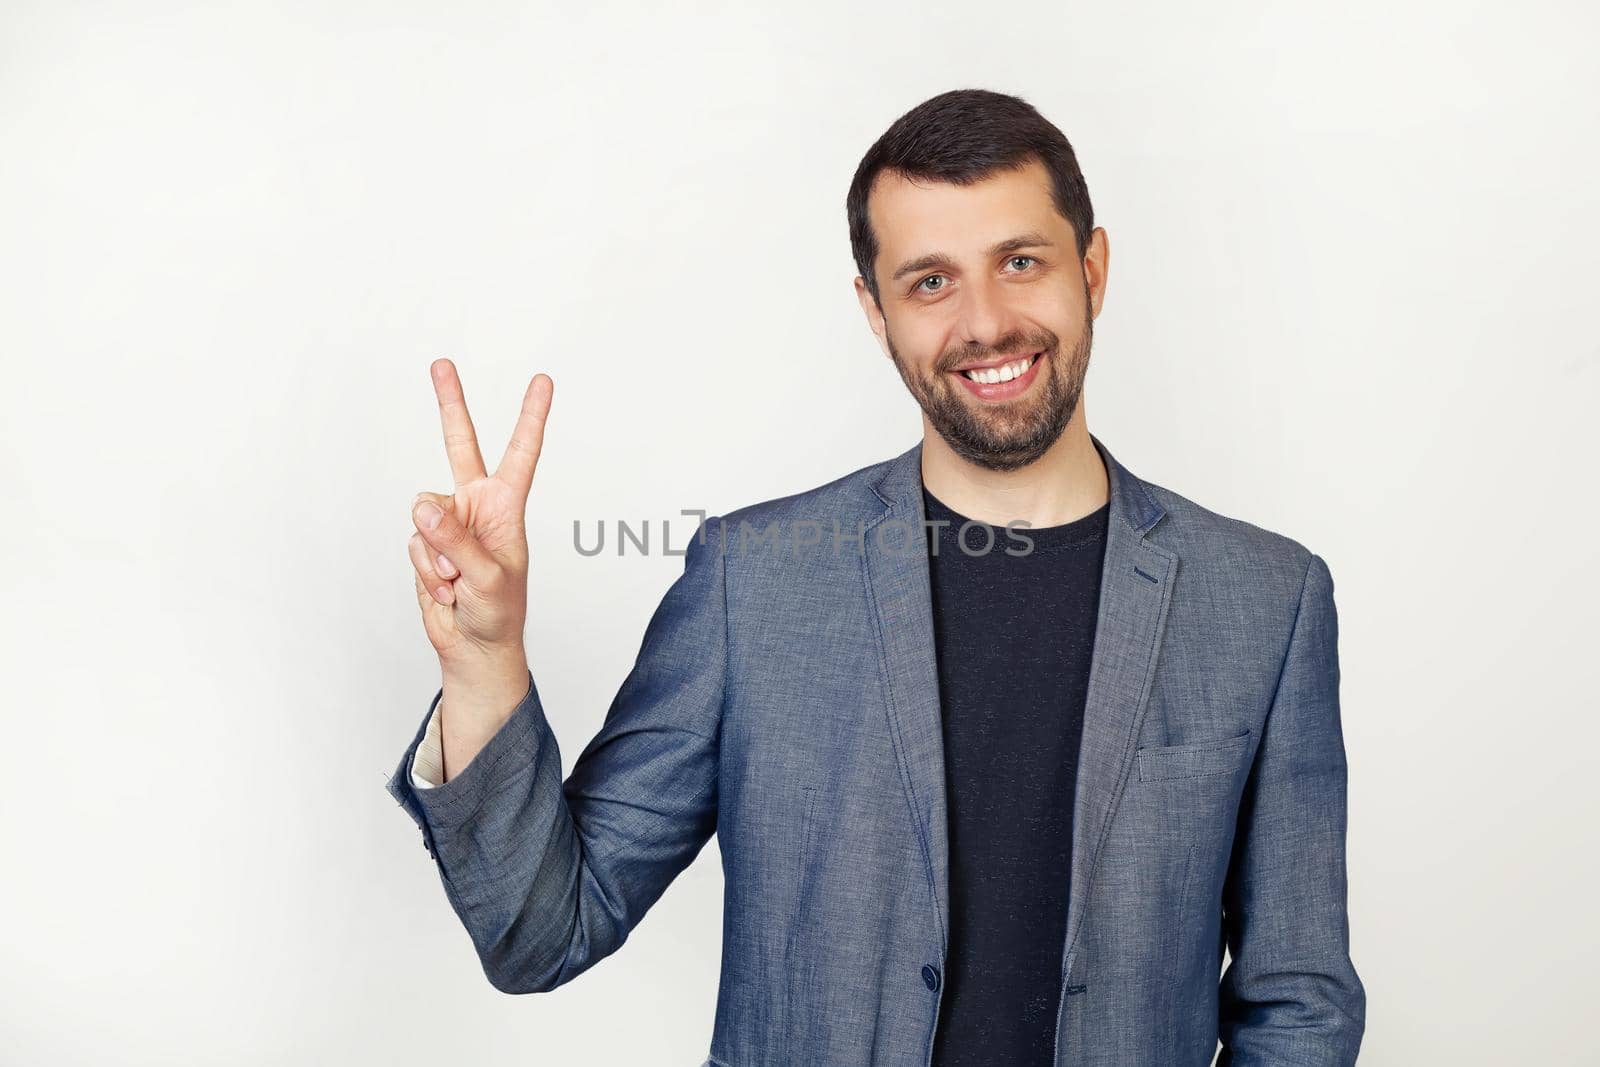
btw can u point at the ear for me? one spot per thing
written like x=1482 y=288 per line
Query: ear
x=1096 y=264
x=874 y=314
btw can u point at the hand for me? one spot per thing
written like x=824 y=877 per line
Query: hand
x=470 y=550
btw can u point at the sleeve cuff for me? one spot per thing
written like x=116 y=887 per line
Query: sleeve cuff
x=449 y=804
x=427 y=765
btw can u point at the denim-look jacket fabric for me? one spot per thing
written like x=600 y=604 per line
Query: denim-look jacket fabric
x=787 y=700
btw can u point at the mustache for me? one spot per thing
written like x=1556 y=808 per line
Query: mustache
x=1013 y=345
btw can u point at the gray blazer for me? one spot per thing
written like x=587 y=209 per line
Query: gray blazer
x=785 y=697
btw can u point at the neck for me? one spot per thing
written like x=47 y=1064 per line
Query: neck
x=1066 y=483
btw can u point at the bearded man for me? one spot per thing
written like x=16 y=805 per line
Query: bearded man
x=1001 y=767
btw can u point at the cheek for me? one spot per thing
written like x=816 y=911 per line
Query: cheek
x=1060 y=312
x=921 y=339
x=1059 y=305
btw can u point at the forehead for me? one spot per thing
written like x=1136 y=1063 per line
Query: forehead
x=913 y=217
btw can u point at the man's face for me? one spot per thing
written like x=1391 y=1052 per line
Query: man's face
x=985 y=308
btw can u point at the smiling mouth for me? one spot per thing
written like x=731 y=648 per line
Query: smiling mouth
x=1005 y=372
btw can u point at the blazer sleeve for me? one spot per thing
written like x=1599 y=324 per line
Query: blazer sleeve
x=1290 y=994
x=550 y=877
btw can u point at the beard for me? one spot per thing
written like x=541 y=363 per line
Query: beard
x=1003 y=437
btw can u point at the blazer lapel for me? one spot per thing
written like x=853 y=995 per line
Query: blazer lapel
x=895 y=556
x=1135 y=591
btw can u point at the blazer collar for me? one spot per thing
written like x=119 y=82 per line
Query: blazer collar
x=899 y=487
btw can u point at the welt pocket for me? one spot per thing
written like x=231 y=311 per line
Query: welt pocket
x=1196 y=760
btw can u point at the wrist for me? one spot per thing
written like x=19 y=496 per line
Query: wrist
x=496 y=679
x=479 y=696
x=479 y=665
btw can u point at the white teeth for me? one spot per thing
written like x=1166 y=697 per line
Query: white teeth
x=996 y=375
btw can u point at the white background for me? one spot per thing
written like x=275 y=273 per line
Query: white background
x=1351 y=299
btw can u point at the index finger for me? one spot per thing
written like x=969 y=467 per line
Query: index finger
x=522 y=451
x=460 y=439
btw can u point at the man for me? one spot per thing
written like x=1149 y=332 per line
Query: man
x=1003 y=745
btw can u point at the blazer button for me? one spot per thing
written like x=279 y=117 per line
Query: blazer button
x=930 y=977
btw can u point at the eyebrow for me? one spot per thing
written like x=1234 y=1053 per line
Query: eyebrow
x=1032 y=239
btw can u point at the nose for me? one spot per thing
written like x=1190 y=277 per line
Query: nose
x=986 y=318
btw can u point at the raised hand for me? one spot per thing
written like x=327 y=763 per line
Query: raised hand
x=470 y=550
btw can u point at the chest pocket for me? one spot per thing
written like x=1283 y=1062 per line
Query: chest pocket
x=1199 y=759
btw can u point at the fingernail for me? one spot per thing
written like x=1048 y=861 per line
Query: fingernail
x=428 y=514
x=447 y=568
x=444 y=596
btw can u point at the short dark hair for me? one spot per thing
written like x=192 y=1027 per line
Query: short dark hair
x=963 y=136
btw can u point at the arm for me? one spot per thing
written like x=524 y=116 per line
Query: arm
x=1290 y=994
x=550 y=878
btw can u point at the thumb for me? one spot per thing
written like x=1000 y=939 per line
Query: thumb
x=446 y=501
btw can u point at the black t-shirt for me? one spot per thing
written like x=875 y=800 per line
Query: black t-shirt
x=1014 y=636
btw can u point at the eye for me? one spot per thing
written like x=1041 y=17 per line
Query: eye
x=926 y=288
x=1023 y=259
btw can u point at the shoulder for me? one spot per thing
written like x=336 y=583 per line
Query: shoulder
x=1230 y=551
x=848 y=498
x=800 y=528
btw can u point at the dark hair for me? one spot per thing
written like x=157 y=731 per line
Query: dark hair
x=961 y=137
